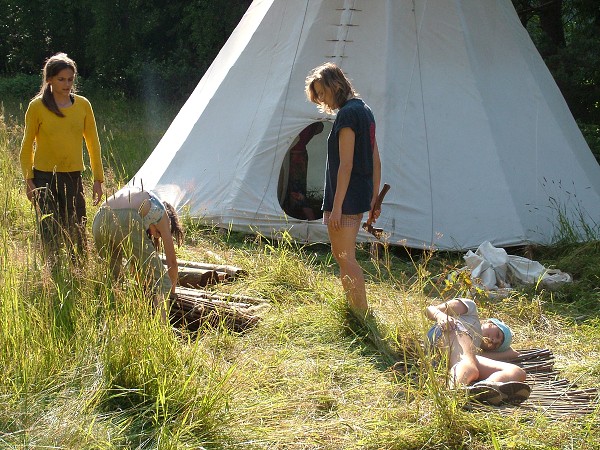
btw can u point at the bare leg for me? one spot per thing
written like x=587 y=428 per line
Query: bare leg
x=506 y=378
x=497 y=381
x=462 y=361
x=466 y=367
x=343 y=246
x=492 y=370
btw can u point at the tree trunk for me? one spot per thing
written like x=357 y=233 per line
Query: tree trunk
x=550 y=14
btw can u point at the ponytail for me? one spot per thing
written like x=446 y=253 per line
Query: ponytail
x=53 y=66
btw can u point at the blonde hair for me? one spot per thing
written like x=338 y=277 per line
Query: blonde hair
x=488 y=341
x=333 y=78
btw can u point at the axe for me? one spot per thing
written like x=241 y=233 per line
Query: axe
x=367 y=225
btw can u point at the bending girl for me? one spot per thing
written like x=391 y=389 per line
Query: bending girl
x=131 y=224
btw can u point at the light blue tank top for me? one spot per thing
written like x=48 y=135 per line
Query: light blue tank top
x=155 y=213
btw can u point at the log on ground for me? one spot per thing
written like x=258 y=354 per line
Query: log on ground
x=192 y=309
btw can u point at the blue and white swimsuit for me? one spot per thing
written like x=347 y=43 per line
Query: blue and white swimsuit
x=155 y=213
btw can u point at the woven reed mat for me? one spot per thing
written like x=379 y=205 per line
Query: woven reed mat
x=550 y=394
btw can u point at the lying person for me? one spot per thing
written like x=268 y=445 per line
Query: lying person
x=476 y=349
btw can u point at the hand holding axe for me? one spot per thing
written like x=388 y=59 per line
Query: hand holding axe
x=367 y=226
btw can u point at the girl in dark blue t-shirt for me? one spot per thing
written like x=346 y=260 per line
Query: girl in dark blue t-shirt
x=352 y=175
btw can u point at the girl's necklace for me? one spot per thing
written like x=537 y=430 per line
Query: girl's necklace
x=64 y=104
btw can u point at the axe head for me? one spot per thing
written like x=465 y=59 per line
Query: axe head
x=377 y=232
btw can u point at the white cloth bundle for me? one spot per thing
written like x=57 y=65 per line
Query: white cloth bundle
x=496 y=269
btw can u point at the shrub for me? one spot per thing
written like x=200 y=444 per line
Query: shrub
x=19 y=86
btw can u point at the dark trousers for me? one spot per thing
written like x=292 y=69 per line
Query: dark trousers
x=62 y=215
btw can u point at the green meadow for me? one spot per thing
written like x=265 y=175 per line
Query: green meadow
x=85 y=364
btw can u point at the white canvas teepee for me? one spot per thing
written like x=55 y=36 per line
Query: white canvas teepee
x=475 y=138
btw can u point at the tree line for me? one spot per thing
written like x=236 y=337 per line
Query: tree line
x=123 y=46
x=162 y=47
x=567 y=35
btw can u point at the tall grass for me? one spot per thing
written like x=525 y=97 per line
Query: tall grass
x=573 y=224
x=84 y=362
x=87 y=364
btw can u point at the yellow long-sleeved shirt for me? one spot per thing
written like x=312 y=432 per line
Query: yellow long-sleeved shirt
x=58 y=140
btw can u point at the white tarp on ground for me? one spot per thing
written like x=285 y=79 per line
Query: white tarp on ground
x=493 y=268
x=475 y=138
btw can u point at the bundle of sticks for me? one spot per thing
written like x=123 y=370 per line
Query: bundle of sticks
x=193 y=308
x=551 y=394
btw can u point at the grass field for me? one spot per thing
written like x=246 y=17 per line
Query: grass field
x=86 y=365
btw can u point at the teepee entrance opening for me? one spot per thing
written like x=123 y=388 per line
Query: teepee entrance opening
x=301 y=181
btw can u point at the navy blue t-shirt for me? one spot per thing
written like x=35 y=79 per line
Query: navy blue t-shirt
x=355 y=114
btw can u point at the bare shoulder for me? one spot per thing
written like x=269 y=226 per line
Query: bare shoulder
x=127 y=198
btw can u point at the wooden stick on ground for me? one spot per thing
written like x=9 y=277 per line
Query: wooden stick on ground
x=192 y=309
x=231 y=271
x=223 y=296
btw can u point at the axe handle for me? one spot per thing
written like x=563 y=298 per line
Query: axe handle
x=379 y=201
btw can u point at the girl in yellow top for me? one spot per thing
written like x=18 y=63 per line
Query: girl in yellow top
x=56 y=122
